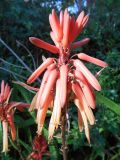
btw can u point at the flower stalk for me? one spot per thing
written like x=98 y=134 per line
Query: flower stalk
x=63 y=130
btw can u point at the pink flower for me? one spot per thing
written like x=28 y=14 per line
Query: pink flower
x=65 y=77
x=7 y=110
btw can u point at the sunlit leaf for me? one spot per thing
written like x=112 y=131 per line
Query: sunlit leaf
x=108 y=103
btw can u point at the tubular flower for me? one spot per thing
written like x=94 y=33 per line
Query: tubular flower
x=39 y=148
x=7 y=110
x=65 y=76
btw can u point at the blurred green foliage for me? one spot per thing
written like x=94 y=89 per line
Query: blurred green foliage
x=23 y=18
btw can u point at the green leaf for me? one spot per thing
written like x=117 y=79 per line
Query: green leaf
x=25 y=94
x=26 y=146
x=23 y=123
x=108 y=103
x=0 y=132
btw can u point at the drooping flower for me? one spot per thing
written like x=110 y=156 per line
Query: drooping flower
x=39 y=148
x=65 y=76
x=7 y=110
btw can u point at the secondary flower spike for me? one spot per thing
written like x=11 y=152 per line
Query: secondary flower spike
x=65 y=77
x=39 y=148
x=7 y=110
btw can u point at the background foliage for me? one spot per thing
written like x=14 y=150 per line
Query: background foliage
x=24 y=18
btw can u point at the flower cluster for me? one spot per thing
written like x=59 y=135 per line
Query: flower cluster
x=7 y=110
x=65 y=76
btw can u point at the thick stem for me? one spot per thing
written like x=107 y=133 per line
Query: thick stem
x=64 y=145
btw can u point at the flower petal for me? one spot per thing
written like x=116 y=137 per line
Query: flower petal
x=55 y=118
x=63 y=84
x=88 y=112
x=39 y=70
x=71 y=28
x=85 y=20
x=2 y=89
x=55 y=25
x=42 y=86
x=6 y=92
x=44 y=81
x=80 y=19
x=83 y=103
x=57 y=104
x=87 y=133
x=33 y=103
x=80 y=121
x=48 y=87
x=26 y=86
x=89 y=76
x=77 y=27
x=80 y=43
x=22 y=106
x=61 y=18
x=52 y=35
x=19 y=105
x=57 y=22
x=66 y=29
x=42 y=44
x=85 y=88
x=12 y=126
x=9 y=94
x=41 y=114
x=5 y=136
x=96 y=61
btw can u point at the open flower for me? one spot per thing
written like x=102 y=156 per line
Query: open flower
x=7 y=110
x=65 y=76
x=39 y=148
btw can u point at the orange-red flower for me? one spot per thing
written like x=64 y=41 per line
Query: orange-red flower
x=7 y=110
x=65 y=76
x=39 y=148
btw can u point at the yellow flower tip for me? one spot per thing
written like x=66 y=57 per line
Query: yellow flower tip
x=31 y=39
x=39 y=129
x=88 y=139
x=66 y=10
x=5 y=150
x=82 y=12
x=53 y=11
x=51 y=130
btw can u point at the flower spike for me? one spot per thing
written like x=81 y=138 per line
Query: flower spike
x=7 y=110
x=66 y=78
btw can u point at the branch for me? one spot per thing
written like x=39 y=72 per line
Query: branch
x=28 y=52
x=13 y=53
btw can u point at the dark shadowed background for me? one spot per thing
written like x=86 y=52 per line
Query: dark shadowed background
x=20 y=19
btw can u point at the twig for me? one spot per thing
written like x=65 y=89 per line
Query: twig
x=17 y=148
x=19 y=59
x=28 y=52
x=12 y=64
x=13 y=53
x=13 y=73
